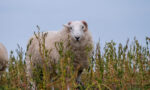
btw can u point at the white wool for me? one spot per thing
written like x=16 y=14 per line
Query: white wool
x=3 y=57
x=77 y=47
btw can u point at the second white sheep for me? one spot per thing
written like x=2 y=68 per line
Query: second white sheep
x=3 y=58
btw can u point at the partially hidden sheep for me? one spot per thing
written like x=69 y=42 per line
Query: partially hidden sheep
x=3 y=58
x=76 y=33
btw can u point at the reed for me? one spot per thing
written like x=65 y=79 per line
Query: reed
x=126 y=67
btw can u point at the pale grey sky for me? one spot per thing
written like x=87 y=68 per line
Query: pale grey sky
x=107 y=19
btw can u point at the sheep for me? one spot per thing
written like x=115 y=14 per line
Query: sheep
x=75 y=33
x=3 y=58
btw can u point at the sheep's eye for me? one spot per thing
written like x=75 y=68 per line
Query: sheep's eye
x=70 y=28
x=82 y=27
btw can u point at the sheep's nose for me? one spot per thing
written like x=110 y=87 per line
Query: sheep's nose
x=77 y=38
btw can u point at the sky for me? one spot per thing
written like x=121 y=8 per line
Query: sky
x=108 y=20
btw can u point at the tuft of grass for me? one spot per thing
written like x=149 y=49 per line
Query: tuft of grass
x=113 y=68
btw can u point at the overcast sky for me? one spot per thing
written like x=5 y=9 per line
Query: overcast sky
x=107 y=19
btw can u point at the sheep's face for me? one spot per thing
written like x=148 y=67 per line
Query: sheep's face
x=77 y=30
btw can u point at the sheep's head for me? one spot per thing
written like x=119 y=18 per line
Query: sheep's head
x=77 y=30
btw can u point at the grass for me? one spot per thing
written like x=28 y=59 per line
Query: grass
x=126 y=67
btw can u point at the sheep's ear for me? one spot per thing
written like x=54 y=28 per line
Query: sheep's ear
x=69 y=23
x=67 y=27
x=85 y=24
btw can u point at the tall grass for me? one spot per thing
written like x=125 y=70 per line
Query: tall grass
x=126 y=67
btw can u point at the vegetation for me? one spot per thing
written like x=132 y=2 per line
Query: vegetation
x=126 y=67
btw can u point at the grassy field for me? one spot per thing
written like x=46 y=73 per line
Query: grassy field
x=115 y=67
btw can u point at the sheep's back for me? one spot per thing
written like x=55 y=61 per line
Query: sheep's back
x=33 y=53
x=3 y=56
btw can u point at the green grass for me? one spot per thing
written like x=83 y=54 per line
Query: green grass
x=126 y=67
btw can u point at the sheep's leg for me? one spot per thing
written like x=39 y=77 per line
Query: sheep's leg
x=32 y=84
x=78 y=79
x=68 y=87
x=52 y=88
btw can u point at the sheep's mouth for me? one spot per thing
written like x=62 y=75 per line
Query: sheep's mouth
x=77 y=40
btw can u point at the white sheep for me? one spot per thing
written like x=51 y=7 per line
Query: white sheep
x=76 y=33
x=3 y=57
